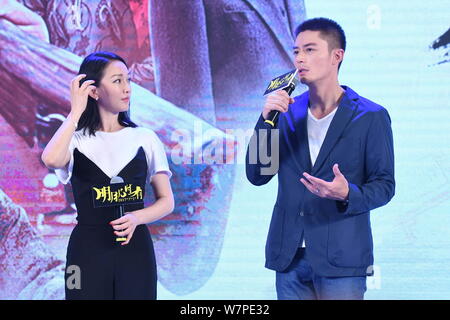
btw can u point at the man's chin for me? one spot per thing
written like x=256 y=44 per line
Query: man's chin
x=304 y=80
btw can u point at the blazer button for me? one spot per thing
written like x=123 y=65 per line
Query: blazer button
x=301 y=213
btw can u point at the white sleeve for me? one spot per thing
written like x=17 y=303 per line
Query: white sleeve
x=64 y=174
x=156 y=155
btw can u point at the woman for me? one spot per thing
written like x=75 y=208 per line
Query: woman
x=97 y=142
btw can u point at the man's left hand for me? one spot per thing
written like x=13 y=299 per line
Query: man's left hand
x=334 y=190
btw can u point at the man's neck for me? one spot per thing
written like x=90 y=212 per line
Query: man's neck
x=324 y=99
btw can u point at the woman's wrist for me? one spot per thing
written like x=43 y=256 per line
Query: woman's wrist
x=137 y=217
x=75 y=124
x=73 y=119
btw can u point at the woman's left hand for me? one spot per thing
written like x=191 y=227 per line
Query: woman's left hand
x=125 y=226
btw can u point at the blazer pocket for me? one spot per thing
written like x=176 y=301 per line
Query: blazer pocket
x=275 y=237
x=350 y=242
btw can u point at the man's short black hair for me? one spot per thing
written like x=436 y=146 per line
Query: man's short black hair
x=329 y=30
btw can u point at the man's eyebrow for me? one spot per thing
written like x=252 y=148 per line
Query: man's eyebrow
x=310 y=44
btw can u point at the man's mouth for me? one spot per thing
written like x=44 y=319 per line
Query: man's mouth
x=302 y=71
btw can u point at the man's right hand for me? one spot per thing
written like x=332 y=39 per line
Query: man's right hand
x=279 y=101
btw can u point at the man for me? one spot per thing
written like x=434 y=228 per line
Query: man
x=336 y=163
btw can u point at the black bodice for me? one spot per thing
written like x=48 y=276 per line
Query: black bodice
x=86 y=174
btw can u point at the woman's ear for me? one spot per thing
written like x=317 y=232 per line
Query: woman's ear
x=94 y=94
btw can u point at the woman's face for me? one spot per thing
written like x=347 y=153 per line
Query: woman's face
x=114 y=89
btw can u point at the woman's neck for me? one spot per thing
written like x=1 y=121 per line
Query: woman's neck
x=109 y=122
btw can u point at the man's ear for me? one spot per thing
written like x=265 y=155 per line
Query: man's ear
x=94 y=94
x=338 y=56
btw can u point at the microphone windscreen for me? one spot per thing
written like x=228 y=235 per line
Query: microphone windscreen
x=117 y=179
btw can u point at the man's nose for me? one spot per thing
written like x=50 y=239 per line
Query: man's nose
x=300 y=57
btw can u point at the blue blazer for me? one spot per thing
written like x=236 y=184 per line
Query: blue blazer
x=338 y=236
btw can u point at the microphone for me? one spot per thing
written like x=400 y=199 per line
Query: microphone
x=285 y=82
x=120 y=210
x=118 y=194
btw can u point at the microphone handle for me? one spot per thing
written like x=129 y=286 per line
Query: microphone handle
x=272 y=119
x=121 y=238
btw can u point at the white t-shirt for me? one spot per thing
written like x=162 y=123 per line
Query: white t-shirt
x=317 y=130
x=112 y=151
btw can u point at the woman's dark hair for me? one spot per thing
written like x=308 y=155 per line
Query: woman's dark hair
x=94 y=66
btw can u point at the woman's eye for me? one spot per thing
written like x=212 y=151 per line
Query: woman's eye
x=117 y=81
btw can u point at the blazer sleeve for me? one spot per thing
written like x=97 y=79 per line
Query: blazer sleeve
x=379 y=187
x=262 y=161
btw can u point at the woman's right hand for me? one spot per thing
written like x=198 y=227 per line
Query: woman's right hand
x=79 y=95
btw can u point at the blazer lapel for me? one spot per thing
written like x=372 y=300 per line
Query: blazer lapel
x=341 y=119
x=297 y=134
x=273 y=18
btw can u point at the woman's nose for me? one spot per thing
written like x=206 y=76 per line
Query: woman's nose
x=127 y=88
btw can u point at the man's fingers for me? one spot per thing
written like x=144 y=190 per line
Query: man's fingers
x=305 y=182
x=279 y=107
x=276 y=107
x=280 y=99
x=336 y=170
x=282 y=93
x=309 y=186
x=275 y=101
x=315 y=181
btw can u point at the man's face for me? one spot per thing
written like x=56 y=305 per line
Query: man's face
x=313 y=59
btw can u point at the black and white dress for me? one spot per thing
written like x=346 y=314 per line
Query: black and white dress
x=109 y=270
